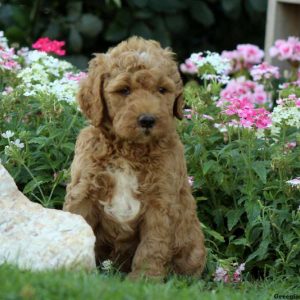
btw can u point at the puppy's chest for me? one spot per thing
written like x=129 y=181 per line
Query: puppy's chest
x=123 y=206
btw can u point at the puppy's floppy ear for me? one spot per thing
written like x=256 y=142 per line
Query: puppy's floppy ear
x=90 y=95
x=178 y=107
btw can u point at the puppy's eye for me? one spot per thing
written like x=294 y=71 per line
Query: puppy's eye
x=125 y=91
x=162 y=90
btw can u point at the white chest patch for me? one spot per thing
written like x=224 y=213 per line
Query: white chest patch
x=123 y=206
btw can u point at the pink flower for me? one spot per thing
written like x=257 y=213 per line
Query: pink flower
x=75 y=77
x=247 y=90
x=188 y=113
x=286 y=49
x=8 y=59
x=191 y=180
x=264 y=71
x=244 y=56
x=238 y=99
x=221 y=275
x=292 y=99
x=207 y=117
x=46 y=45
x=7 y=90
x=294 y=182
x=238 y=272
x=291 y=145
x=250 y=54
x=188 y=67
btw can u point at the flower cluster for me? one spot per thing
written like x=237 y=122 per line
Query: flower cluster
x=3 y=41
x=209 y=66
x=47 y=75
x=245 y=90
x=107 y=265
x=244 y=56
x=264 y=71
x=188 y=67
x=46 y=45
x=8 y=59
x=249 y=117
x=17 y=143
x=294 y=182
x=223 y=275
x=75 y=77
x=286 y=113
x=286 y=49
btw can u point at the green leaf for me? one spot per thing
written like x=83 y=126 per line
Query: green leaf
x=116 y=32
x=33 y=184
x=141 y=29
x=261 y=251
x=75 y=40
x=241 y=241
x=266 y=229
x=74 y=10
x=90 y=25
x=53 y=30
x=166 y=6
x=197 y=150
x=252 y=209
x=259 y=5
x=160 y=32
x=233 y=217
x=143 y=14
x=80 y=61
x=214 y=234
x=14 y=33
x=260 y=169
x=207 y=166
x=176 y=23
x=230 y=5
x=138 y=3
x=20 y=16
x=6 y=13
x=41 y=140
x=202 y=13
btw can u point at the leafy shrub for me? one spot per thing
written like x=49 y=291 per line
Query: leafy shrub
x=242 y=158
x=39 y=121
x=93 y=26
x=242 y=148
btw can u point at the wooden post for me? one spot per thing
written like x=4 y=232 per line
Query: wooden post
x=283 y=20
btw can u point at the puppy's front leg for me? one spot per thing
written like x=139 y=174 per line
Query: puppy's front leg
x=152 y=256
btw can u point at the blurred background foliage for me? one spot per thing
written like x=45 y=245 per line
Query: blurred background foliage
x=94 y=25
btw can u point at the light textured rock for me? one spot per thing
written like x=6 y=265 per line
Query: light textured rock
x=36 y=238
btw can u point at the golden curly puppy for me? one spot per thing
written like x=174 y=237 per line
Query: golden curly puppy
x=129 y=178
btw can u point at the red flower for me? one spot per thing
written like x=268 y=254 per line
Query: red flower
x=46 y=45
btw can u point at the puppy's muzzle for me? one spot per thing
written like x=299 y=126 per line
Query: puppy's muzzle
x=146 y=121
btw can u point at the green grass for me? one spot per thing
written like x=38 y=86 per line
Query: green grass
x=16 y=284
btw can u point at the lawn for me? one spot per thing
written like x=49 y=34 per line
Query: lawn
x=16 y=284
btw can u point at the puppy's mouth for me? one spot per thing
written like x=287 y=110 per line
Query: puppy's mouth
x=146 y=131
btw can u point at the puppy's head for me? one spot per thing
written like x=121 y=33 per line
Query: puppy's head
x=135 y=89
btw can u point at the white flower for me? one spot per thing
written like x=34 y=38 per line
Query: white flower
x=107 y=265
x=284 y=114
x=220 y=64
x=294 y=182
x=240 y=268
x=221 y=275
x=18 y=143
x=8 y=134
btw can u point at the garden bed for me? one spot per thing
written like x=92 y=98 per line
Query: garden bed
x=241 y=135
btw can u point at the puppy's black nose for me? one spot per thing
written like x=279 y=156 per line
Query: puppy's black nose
x=146 y=121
